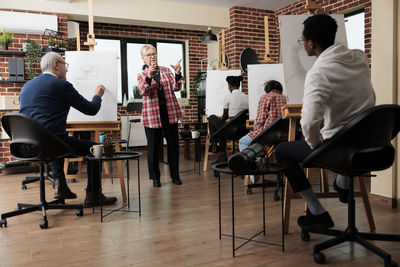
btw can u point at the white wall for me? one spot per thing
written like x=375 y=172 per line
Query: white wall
x=385 y=76
x=149 y=13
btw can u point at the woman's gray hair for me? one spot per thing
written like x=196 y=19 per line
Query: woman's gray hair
x=145 y=48
x=47 y=61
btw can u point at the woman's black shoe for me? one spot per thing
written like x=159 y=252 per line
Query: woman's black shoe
x=343 y=193
x=156 y=183
x=177 y=181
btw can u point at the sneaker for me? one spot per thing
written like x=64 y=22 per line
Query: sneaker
x=316 y=222
x=93 y=200
x=254 y=179
x=343 y=193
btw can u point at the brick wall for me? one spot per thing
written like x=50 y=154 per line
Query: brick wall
x=12 y=88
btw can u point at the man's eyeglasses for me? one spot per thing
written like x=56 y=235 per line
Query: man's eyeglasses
x=65 y=63
x=300 y=41
x=151 y=55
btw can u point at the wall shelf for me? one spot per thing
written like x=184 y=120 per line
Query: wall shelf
x=8 y=81
x=12 y=53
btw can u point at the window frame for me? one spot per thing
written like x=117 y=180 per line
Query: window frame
x=124 y=62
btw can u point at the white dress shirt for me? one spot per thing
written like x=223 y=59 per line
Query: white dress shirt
x=336 y=88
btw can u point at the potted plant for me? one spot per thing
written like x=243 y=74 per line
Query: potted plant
x=62 y=44
x=136 y=94
x=183 y=93
x=5 y=39
x=51 y=43
x=32 y=56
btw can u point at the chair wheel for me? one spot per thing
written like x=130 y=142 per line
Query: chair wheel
x=3 y=222
x=319 y=258
x=24 y=187
x=79 y=212
x=44 y=224
x=276 y=197
x=305 y=236
x=249 y=191
x=391 y=264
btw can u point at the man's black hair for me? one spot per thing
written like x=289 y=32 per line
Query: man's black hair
x=234 y=80
x=321 y=29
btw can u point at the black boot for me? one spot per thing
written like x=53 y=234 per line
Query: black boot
x=62 y=190
x=93 y=199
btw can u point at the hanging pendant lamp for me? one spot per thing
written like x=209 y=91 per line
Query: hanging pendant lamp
x=209 y=37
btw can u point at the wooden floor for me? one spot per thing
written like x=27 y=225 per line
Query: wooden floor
x=178 y=227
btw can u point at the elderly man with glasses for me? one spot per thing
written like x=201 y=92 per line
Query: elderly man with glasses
x=47 y=99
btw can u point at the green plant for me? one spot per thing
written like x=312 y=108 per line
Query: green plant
x=6 y=38
x=51 y=42
x=32 y=56
x=136 y=94
x=62 y=44
x=196 y=80
x=183 y=92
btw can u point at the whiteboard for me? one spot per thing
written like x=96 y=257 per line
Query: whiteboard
x=87 y=69
x=295 y=61
x=258 y=75
x=217 y=89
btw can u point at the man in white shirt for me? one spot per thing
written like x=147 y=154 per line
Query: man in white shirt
x=234 y=102
x=336 y=88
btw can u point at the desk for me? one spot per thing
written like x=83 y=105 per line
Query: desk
x=119 y=156
x=97 y=127
x=293 y=113
x=272 y=168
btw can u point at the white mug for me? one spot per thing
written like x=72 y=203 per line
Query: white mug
x=97 y=150
x=195 y=134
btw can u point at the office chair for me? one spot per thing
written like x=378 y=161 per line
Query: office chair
x=361 y=146
x=43 y=146
x=234 y=129
x=132 y=107
x=271 y=136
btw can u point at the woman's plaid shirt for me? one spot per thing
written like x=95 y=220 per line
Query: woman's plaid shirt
x=151 y=108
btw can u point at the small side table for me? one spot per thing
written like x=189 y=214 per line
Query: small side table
x=127 y=156
x=197 y=153
x=272 y=168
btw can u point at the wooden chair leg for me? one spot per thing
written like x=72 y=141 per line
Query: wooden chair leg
x=286 y=207
x=367 y=206
x=207 y=146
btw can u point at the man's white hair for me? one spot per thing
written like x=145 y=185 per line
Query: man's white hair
x=47 y=61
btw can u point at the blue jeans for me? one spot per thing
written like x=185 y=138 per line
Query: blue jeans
x=244 y=142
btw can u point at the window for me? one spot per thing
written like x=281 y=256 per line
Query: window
x=131 y=63
x=354 y=23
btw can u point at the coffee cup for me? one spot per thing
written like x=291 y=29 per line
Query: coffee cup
x=97 y=150
x=195 y=134
x=102 y=138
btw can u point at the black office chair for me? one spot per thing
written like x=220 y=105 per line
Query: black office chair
x=43 y=147
x=361 y=146
x=234 y=129
x=132 y=107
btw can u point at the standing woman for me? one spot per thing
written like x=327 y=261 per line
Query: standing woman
x=161 y=112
